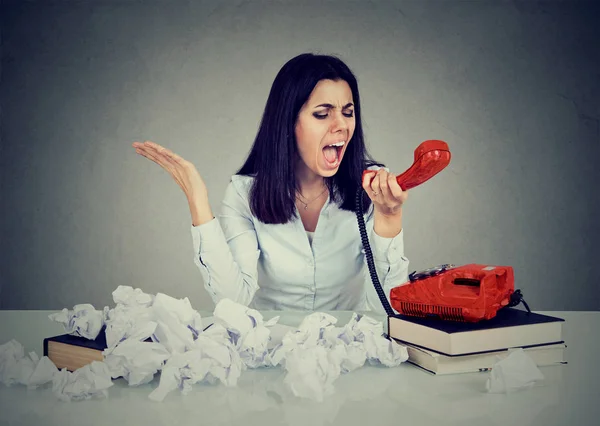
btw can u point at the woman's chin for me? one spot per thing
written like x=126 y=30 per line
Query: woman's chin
x=327 y=170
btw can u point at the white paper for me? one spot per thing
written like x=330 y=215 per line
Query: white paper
x=247 y=331
x=172 y=325
x=129 y=297
x=136 y=361
x=181 y=310
x=181 y=372
x=515 y=372
x=364 y=329
x=278 y=331
x=226 y=364
x=132 y=314
x=10 y=354
x=149 y=334
x=83 y=320
x=28 y=370
x=171 y=331
x=90 y=381
x=212 y=360
x=43 y=373
x=317 y=352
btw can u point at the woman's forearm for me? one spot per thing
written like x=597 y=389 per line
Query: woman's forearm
x=200 y=210
x=387 y=226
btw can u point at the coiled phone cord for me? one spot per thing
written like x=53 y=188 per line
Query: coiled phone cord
x=368 y=253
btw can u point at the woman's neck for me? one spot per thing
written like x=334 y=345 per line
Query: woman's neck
x=309 y=183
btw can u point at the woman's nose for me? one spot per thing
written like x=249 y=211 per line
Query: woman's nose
x=339 y=122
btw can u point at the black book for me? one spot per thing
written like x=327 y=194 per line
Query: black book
x=510 y=328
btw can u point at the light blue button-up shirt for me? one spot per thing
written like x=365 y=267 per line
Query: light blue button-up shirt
x=277 y=267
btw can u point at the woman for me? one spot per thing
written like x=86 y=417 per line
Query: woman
x=287 y=236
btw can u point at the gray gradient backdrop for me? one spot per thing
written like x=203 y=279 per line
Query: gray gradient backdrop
x=513 y=87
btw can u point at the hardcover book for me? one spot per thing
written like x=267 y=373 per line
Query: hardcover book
x=510 y=328
x=73 y=352
x=439 y=364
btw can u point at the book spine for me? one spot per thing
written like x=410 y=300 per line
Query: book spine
x=46 y=347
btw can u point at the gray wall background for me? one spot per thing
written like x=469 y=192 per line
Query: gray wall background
x=513 y=87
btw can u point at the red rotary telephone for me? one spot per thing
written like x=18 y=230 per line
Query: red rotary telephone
x=468 y=293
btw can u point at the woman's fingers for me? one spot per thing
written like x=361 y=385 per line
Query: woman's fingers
x=177 y=166
x=395 y=189
x=162 y=154
x=368 y=184
x=173 y=159
x=376 y=189
x=166 y=154
x=384 y=187
x=153 y=145
x=182 y=171
x=143 y=151
x=153 y=155
x=178 y=160
x=157 y=154
x=375 y=184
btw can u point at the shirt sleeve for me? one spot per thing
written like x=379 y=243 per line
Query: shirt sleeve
x=226 y=249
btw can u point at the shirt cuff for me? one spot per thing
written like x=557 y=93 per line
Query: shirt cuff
x=390 y=250
x=209 y=234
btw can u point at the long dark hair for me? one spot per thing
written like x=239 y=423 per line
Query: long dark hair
x=274 y=152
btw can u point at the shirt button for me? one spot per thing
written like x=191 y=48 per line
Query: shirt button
x=309 y=261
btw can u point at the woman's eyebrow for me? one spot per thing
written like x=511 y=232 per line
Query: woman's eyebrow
x=348 y=105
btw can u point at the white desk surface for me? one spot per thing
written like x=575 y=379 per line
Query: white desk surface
x=371 y=396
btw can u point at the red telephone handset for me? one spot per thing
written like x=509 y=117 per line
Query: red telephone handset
x=431 y=157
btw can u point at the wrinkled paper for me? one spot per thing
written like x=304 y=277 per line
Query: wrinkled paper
x=30 y=370
x=515 y=372
x=83 y=320
x=318 y=352
x=89 y=381
x=149 y=334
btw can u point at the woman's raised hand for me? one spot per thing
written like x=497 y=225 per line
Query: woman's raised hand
x=184 y=173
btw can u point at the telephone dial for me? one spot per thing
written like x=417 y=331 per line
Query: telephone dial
x=468 y=293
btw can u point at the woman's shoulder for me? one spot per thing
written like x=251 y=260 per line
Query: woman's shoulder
x=241 y=184
x=242 y=180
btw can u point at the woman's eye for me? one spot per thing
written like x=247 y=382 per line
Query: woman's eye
x=322 y=116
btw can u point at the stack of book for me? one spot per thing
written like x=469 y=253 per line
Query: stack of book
x=450 y=347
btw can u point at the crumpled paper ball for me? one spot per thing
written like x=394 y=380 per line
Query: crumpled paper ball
x=515 y=372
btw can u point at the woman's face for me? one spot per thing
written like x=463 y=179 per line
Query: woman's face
x=324 y=127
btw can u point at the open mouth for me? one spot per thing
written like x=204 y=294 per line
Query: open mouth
x=333 y=153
